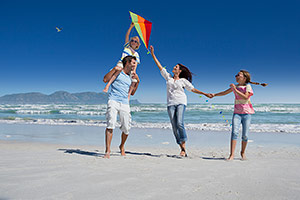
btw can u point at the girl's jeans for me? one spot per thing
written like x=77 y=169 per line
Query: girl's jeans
x=237 y=119
x=176 y=114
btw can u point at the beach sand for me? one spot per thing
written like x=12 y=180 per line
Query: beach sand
x=41 y=170
x=36 y=169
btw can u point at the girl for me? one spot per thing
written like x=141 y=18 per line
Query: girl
x=176 y=98
x=242 y=109
x=129 y=50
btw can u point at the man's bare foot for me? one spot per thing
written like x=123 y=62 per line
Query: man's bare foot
x=107 y=154
x=122 y=150
x=230 y=158
x=243 y=156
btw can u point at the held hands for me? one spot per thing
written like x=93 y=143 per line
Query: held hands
x=209 y=95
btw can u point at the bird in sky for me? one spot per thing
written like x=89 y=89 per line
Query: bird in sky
x=58 y=29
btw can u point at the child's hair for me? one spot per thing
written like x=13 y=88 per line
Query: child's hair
x=127 y=59
x=248 y=78
x=138 y=39
x=185 y=72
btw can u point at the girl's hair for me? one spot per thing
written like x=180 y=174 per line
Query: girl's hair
x=185 y=72
x=138 y=39
x=248 y=78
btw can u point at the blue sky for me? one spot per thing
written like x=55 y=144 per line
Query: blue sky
x=215 y=39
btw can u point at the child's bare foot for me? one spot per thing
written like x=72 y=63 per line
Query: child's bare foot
x=107 y=154
x=243 y=156
x=122 y=150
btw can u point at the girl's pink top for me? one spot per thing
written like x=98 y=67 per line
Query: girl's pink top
x=243 y=106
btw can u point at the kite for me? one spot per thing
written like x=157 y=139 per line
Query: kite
x=58 y=29
x=143 y=27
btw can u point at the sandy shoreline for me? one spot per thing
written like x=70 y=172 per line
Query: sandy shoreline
x=34 y=170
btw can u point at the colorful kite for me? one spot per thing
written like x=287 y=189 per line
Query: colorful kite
x=143 y=27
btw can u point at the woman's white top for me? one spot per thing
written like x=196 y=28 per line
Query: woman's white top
x=175 y=89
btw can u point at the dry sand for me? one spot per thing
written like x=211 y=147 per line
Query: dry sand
x=59 y=171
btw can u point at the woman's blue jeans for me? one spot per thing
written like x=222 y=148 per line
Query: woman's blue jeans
x=237 y=120
x=176 y=114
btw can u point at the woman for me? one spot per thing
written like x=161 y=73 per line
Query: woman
x=176 y=98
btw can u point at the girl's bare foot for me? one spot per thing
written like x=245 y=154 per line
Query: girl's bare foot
x=243 y=156
x=122 y=150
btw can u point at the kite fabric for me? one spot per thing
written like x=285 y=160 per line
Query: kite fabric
x=143 y=27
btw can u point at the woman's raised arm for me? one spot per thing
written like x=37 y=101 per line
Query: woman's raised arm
x=155 y=59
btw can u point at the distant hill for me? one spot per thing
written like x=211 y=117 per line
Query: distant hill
x=59 y=97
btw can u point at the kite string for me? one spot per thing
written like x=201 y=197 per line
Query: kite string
x=221 y=112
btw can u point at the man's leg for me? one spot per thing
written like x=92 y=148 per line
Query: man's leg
x=111 y=117
x=108 y=138
x=125 y=120
x=122 y=145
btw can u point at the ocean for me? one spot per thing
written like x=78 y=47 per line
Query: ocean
x=283 y=118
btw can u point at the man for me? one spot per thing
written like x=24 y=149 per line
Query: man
x=118 y=102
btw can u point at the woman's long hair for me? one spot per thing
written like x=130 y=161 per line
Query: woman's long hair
x=185 y=72
x=248 y=78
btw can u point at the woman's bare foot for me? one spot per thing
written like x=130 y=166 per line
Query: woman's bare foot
x=122 y=150
x=183 y=153
x=107 y=154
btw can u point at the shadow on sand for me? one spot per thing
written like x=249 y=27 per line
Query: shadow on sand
x=213 y=158
x=78 y=151
x=96 y=154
